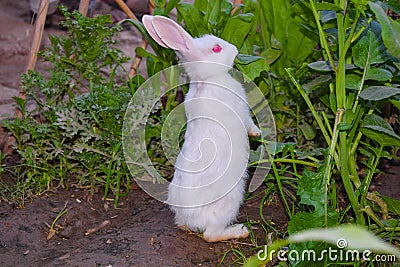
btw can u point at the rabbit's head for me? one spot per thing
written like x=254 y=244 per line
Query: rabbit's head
x=207 y=48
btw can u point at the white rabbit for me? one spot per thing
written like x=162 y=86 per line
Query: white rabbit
x=210 y=172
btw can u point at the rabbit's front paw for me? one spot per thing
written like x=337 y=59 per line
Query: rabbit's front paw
x=254 y=131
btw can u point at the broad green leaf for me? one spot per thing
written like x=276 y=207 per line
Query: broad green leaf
x=201 y=5
x=368 y=50
x=311 y=189
x=390 y=30
x=308 y=131
x=144 y=53
x=353 y=81
x=327 y=16
x=212 y=13
x=377 y=129
x=350 y=236
x=274 y=148
x=325 y=66
x=302 y=221
x=194 y=19
x=320 y=66
x=253 y=69
x=237 y=28
x=344 y=126
x=283 y=21
x=376 y=93
x=244 y=59
x=318 y=82
x=271 y=54
x=255 y=155
x=308 y=220
x=378 y=74
x=300 y=43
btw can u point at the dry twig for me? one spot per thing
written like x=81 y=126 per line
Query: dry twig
x=35 y=45
x=97 y=228
x=84 y=7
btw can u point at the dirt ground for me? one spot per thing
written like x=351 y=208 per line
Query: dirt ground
x=140 y=232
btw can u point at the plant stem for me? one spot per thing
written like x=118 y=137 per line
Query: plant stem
x=278 y=181
x=344 y=161
x=322 y=38
x=368 y=178
x=281 y=160
x=310 y=105
x=328 y=168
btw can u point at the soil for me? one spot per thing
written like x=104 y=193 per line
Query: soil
x=141 y=231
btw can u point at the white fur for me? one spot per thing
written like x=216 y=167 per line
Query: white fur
x=212 y=164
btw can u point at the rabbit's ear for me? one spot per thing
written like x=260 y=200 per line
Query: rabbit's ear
x=168 y=33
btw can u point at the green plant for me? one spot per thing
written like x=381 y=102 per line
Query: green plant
x=71 y=125
x=361 y=75
x=355 y=238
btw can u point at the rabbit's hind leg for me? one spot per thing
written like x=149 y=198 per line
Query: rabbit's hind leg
x=214 y=234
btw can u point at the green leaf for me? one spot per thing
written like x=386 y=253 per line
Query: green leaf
x=378 y=74
x=353 y=81
x=396 y=103
x=377 y=129
x=271 y=54
x=326 y=66
x=308 y=220
x=201 y=5
x=368 y=50
x=311 y=189
x=390 y=30
x=344 y=126
x=308 y=131
x=375 y=93
x=393 y=205
x=274 y=148
x=302 y=221
x=194 y=19
x=352 y=236
x=237 y=28
x=283 y=21
x=318 y=82
x=253 y=69
x=244 y=59
x=144 y=53
x=320 y=66
x=170 y=5
x=347 y=236
x=212 y=13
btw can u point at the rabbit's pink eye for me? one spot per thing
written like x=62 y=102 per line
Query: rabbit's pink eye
x=217 y=49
